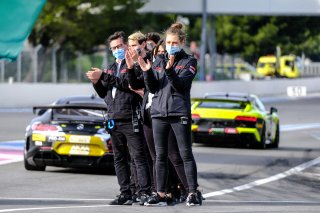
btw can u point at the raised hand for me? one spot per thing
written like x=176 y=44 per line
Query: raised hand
x=144 y=66
x=94 y=74
x=133 y=53
x=170 y=62
x=129 y=60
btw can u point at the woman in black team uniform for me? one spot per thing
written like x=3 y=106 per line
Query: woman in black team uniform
x=137 y=85
x=170 y=81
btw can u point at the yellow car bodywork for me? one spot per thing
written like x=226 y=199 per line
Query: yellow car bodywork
x=211 y=123
x=67 y=144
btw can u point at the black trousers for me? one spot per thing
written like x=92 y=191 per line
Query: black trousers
x=128 y=144
x=182 y=132
x=173 y=154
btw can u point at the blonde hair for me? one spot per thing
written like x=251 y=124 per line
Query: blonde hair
x=177 y=29
x=137 y=36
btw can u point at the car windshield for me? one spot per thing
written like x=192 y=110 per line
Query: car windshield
x=222 y=105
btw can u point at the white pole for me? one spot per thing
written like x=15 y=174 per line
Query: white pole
x=54 y=63
x=2 y=70
x=35 y=63
x=19 y=68
x=203 y=41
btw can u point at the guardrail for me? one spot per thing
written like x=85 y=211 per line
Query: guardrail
x=311 y=70
x=27 y=95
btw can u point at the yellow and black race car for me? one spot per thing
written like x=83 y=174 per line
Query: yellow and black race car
x=68 y=133
x=237 y=118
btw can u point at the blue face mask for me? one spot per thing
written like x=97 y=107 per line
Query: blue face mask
x=171 y=50
x=119 y=54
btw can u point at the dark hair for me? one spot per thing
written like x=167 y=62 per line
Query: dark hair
x=156 y=48
x=116 y=35
x=153 y=36
x=177 y=29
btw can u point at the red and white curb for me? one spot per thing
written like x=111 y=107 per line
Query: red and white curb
x=11 y=151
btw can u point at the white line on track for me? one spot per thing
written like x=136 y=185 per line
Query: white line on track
x=4 y=162
x=276 y=177
x=52 y=207
x=54 y=199
x=294 y=127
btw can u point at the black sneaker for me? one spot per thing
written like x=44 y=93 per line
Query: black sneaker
x=122 y=200
x=171 y=201
x=194 y=199
x=183 y=196
x=143 y=199
x=135 y=199
x=200 y=197
x=156 y=200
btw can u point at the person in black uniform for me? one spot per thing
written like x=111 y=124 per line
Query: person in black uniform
x=112 y=85
x=170 y=81
x=137 y=47
x=176 y=166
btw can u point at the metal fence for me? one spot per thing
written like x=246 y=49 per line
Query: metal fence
x=52 y=65
x=311 y=70
x=57 y=65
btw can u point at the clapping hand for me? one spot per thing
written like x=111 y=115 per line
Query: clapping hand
x=94 y=74
x=129 y=59
x=144 y=66
x=170 y=62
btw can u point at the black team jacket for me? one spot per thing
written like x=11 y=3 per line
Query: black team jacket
x=125 y=101
x=171 y=87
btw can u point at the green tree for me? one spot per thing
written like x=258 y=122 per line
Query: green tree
x=253 y=36
x=82 y=24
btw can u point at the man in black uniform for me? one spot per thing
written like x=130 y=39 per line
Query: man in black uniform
x=112 y=85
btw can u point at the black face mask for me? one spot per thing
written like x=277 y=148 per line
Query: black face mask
x=162 y=56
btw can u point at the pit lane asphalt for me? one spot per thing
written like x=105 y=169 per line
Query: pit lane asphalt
x=219 y=169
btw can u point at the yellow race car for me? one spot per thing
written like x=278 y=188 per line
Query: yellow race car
x=69 y=133
x=237 y=118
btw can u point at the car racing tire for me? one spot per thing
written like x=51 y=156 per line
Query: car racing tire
x=262 y=143
x=276 y=141
x=29 y=167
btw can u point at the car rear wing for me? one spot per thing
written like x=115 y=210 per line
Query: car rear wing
x=229 y=95
x=222 y=98
x=69 y=106
x=72 y=106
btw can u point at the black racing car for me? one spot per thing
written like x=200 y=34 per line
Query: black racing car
x=68 y=133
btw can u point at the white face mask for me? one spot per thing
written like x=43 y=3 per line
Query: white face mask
x=149 y=46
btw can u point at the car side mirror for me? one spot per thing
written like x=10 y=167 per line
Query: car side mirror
x=273 y=110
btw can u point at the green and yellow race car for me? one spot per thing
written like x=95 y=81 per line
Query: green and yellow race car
x=238 y=118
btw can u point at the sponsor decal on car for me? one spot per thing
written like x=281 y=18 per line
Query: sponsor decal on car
x=79 y=150
x=79 y=139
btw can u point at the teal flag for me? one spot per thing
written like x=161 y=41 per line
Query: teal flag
x=17 y=18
